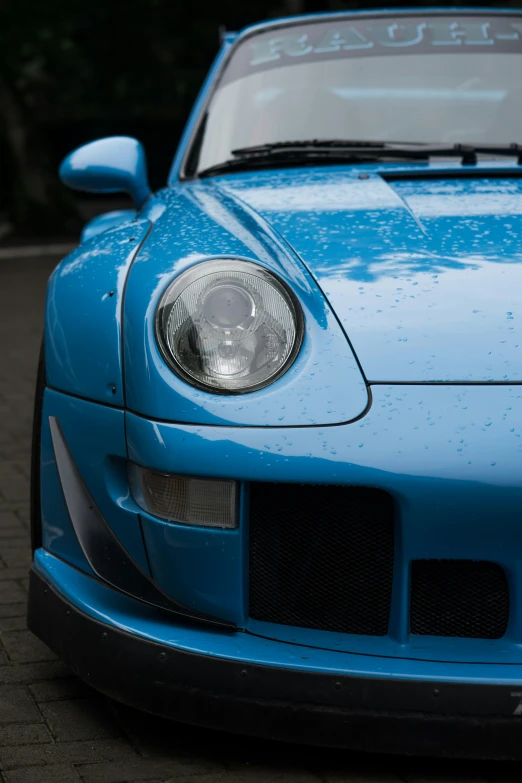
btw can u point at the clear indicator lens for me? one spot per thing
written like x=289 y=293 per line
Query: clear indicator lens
x=229 y=326
x=188 y=501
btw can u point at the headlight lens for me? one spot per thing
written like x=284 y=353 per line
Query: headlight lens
x=229 y=326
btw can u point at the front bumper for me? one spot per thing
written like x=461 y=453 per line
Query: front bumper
x=296 y=702
x=435 y=460
x=450 y=458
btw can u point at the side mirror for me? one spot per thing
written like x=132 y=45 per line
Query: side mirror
x=112 y=165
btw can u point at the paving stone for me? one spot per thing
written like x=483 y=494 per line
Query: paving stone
x=13 y=623
x=8 y=519
x=15 y=488
x=24 y=734
x=14 y=507
x=13 y=534
x=17 y=557
x=7 y=468
x=446 y=777
x=33 y=672
x=251 y=776
x=154 y=737
x=21 y=467
x=54 y=773
x=11 y=592
x=13 y=574
x=146 y=769
x=260 y=774
x=19 y=539
x=24 y=647
x=78 y=719
x=360 y=777
x=55 y=690
x=87 y=752
x=23 y=511
x=16 y=705
x=13 y=610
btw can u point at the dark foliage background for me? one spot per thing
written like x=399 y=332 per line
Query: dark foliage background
x=74 y=70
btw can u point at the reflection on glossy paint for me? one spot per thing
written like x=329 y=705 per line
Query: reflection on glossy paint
x=456 y=197
x=83 y=323
x=219 y=211
x=306 y=192
x=420 y=272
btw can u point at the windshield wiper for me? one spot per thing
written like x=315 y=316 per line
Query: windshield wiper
x=286 y=158
x=402 y=148
x=343 y=151
x=288 y=153
x=313 y=144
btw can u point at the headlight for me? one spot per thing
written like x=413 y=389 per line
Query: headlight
x=229 y=326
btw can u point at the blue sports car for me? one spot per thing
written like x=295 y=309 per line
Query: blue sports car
x=277 y=459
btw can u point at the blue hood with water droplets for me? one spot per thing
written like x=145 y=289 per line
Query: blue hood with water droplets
x=425 y=274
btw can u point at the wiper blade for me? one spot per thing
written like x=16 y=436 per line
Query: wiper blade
x=287 y=158
x=291 y=153
x=308 y=144
x=468 y=152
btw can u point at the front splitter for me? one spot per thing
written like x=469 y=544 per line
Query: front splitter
x=378 y=714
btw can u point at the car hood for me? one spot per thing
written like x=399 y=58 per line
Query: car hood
x=423 y=268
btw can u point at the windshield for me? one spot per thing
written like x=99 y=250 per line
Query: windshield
x=440 y=79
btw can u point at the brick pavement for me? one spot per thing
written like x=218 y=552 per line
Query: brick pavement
x=55 y=729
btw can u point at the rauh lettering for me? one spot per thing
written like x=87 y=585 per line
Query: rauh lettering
x=374 y=36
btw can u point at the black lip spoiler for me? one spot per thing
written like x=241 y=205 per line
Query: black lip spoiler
x=379 y=714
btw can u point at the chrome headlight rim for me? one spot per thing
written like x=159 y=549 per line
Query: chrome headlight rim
x=222 y=264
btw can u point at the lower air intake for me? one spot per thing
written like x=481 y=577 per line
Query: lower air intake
x=321 y=557
x=464 y=598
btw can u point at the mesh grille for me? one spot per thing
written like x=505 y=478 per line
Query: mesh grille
x=459 y=598
x=321 y=557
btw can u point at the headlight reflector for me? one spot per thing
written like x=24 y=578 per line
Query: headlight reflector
x=186 y=500
x=229 y=326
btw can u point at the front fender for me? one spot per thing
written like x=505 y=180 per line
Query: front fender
x=197 y=222
x=83 y=315
x=106 y=221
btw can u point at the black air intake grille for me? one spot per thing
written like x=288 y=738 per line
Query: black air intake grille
x=321 y=557
x=459 y=598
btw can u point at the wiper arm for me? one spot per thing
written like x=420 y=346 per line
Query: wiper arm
x=290 y=153
x=309 y=144
x=287 y=157
x=468 y=152
x=511 y=150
